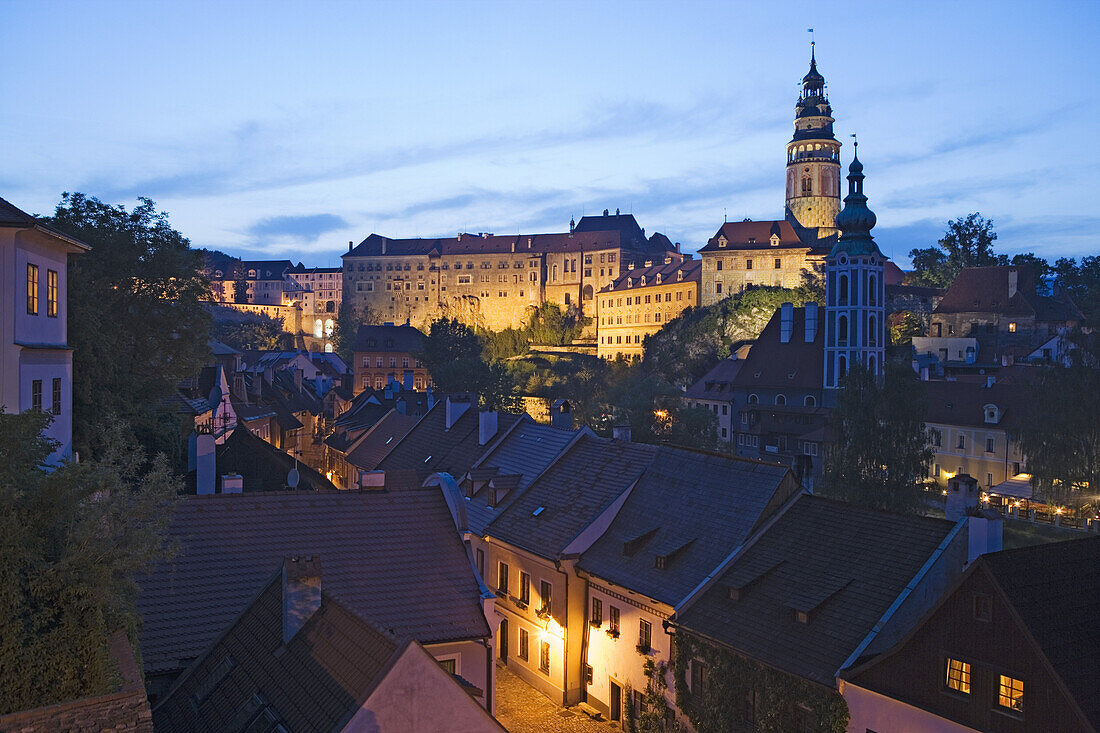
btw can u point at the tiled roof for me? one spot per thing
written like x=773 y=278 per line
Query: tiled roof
x=698 y=507
x=431 y=447
x=12 y=216
x=400 y=339
x=633 y=279
x=963 y=403
x=842 y=564
x=1055 y=590
x=371 y=447
x=794 y=365
x=570 y=494
x=317 y=680
x=264 y=269
x=717 y=384
x=753 y=235
x=525 y=451
x=985 y=290
x=392 y=557
x=262 y=466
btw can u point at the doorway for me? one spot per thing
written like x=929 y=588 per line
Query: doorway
x=615 y=711
x=502 y=640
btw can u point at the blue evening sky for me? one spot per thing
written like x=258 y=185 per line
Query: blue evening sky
x=286 y=129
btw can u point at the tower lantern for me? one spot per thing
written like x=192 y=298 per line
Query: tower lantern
x=813 y=158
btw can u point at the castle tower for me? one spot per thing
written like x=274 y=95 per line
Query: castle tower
x=855 y=308
x=813 y=159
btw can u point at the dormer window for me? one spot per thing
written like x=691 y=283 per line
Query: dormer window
x=775 y=240
x=992 y=414
x=252 y=273
x=679 y=275
x=722 y=241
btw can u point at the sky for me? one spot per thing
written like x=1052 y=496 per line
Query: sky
x=288 y=129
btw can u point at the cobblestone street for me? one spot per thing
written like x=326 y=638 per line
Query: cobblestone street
x=523 y=709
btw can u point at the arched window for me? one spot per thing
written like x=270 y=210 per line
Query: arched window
x=330 y=306
x=843 y=290
x=555 y=272
x=872 y=291
x=807 y=183
x=871 y=365
x=328 y=328
x=872 y=339
x=842 y=330
x=842 y=368
x=318 y=328
x=753 y=399
x=586 y=294
x=810 y=401
x=780 y=399
x=328 y=347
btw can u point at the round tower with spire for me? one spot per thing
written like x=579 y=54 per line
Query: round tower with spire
x=855 y=310
x=813 y=158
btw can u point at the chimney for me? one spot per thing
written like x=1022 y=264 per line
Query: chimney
x=455 y=406
x=486 y=426
x=298 y=374
x=349 y=246
x=269 y=375
x=1013 y=281
x=990 y=381
x=962 y=495
x=205 y=472
x=232 y=483
x=374 y=480
x=811 y=322
x=561 y=415
x=621 y=432
x=408 y=381
x=985 y=532
x=430 y=397
x=786 y=322
x=239 y=389
x=301 y=592
x=383 y=246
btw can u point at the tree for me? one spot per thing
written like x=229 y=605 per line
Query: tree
x=549 y=326
x=904 y=325
x=967 y=242
x=1081 y=283
x=452 y=354
x=500 y=345
x=348 y=320
x=1058 y=431
x=881 y=452
x=245 y=331
x=72 y=539
x=138 y=322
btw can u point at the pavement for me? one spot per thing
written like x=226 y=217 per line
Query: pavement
x=523 y=709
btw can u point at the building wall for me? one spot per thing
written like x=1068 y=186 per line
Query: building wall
x=988 y=467
x=871 y=711
x=471 y=663
x=626 y=316
x=725 y=412
x=730 y=271
x=378 y=366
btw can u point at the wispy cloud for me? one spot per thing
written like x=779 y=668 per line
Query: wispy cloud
x=298 y=228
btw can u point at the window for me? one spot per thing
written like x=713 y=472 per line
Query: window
x=544 y=657
x=778 y=263
x=524 y=644
x=1010 y=694
x=983 y=607
x=958 y=676
x=810 y=401
x=718 y=264
x=645 y=634
x=502 y=577
x=989 y=445
x=989 y=480
x=961 y=445
x=32 y=290
x=597 y=612
x=481 y=562
x=807 y=185
x=51 y=293
x=524 y=588
x=545 y=592
x=698 y=677
x=843 y=290
x=937 y=438
x=56 y=406
x=1012 y=328
x=36 y=395
x=450 y=666
x=748 y=264
x=613 y=621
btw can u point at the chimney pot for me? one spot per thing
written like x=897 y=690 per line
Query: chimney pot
x=455 y=407
x=786 y=322
x=205 y=464
x=621 y=432
x=486 y=426
x=301 y=592
x=232 y=483
x=811 y=321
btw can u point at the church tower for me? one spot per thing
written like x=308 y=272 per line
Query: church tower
x=855 y=311
x=813 y=159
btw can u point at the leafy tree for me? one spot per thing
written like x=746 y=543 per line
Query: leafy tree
x=1059 y=433
x=880 y=454
x=453 y=356
x=137 y=318
x=500 y=345
x=904 y=325
x=72 y=540
x=1082 y=283
x=240 y=285
x=549 y=326
x=656 y=413
x=251 y=331
x=967 y=242
x=348 y=321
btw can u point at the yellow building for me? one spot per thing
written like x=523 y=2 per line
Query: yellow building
x=642 y=300
x=753 y=253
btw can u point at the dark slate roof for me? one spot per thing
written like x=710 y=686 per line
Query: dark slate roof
x=843 y=564
x=317 y=680
x=525 y=451
x=739 y=233
x=217 y=348
x=693 y=508
x=1055 y=590
x=771 y=364
x=963 y=403
x=985 y=290
x=371 y=447
x=265 y=269
x=392 y=557
x=399 y=339
x=717 y=384
x=570 y=494
x=431 y=447
x=262 y=466
x=669 y=275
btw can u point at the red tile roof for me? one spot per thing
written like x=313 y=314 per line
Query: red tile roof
x=753 y=235
x=986 y=290
x=632 y=279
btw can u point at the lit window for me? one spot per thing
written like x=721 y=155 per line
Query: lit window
x=545 y=591
x=524 y=588
x=1012 y=327
x=544 y=657
x=597 y=612
x=449 y=665
x=645 y=634
x=51 y=293
x=958 y=676
x=502 y=577
x=32 y=290
x=524 y=643
x=1010 y=694
x=613 y=621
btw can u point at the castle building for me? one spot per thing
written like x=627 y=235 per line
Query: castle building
x=641 y=301
x=782 y=253
x=855 y=311
x=495 y=282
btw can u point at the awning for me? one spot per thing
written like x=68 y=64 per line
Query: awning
x=1017 y=487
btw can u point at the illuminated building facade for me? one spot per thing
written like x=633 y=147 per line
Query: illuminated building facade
x=642 y=300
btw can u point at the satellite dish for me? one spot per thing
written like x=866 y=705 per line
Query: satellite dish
x=292 y=478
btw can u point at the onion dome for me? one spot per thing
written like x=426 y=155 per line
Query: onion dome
x=855 y=221
x=813 y=80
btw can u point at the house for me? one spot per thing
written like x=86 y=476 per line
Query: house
x=36 y=364
x=363 y=454
x=748 y=254
x=802 y=599
x=655 y=292
x=386 y=352
x=393 y=557
x=687 y=513
x=298 y=658
x=1012 y=647
x=715 y=392
x=245 y=462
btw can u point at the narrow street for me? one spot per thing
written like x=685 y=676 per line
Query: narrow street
x=523 y=709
